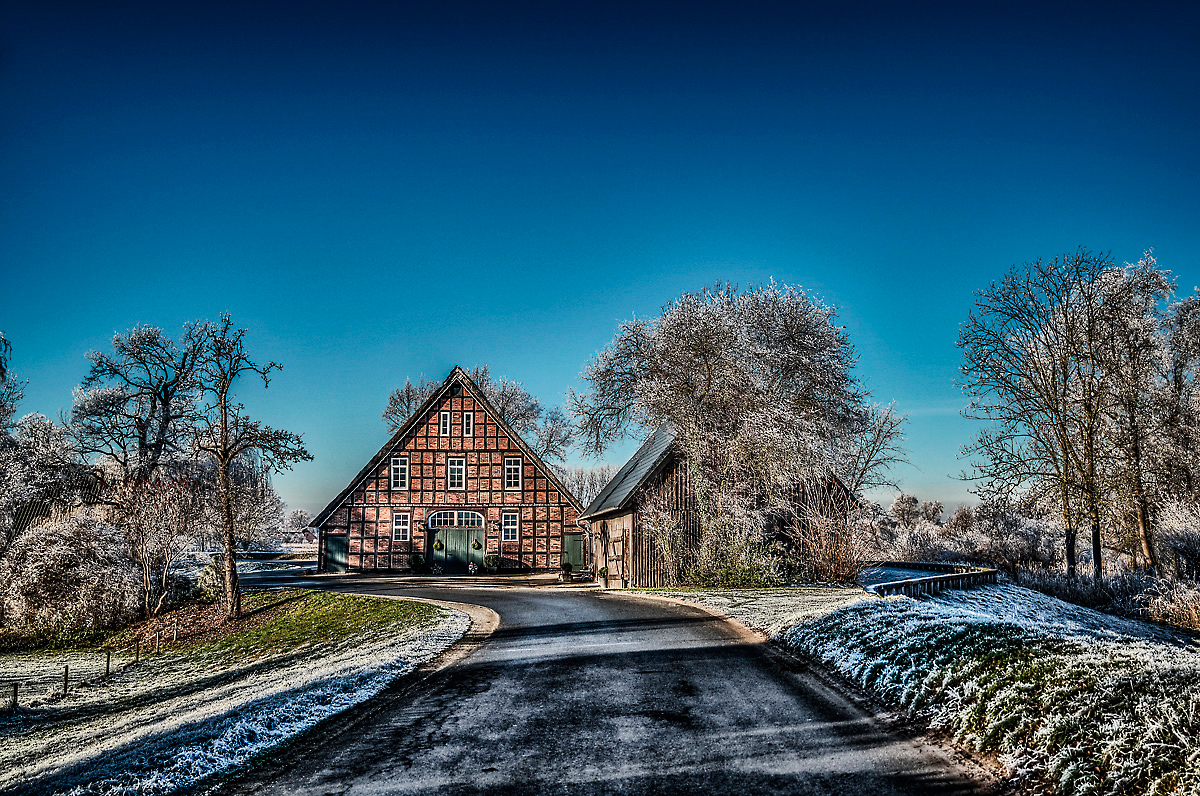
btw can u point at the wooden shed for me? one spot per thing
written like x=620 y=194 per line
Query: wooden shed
x=619 y=543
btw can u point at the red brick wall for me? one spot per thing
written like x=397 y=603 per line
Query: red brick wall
x=367 y=514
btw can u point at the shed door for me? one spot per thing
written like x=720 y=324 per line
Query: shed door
x=335 y=553
x=573 y=550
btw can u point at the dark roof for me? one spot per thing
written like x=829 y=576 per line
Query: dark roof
x=619 y=493
x=459 y=376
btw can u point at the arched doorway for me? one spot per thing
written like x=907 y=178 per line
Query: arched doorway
x=456 y=539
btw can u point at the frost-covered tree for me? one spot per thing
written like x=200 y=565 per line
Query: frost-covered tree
x=297 y=520
x=135 y=407
x=961 y=520
x=40 y=475
x=161 y=517
x=547 y=430
x=258 y=509
x=759 y=385
x=1087 y=373
x=585 y=483
x=1031 y=370
x=931 y=511
x=905 y=510
x=226 y=434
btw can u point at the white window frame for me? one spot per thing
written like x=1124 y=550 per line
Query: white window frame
x=447 y=518
x=401 y=527
x=468 y=424
x=520 y=474
x=444 y=424
x=510 y=532
x=462 y=473
x=399 y=473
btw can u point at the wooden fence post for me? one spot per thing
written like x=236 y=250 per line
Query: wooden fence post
x=66 y=671
x=157 y=640
x=137 y=645
x=107 y=662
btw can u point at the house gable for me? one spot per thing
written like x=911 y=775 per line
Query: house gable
x=452 y=464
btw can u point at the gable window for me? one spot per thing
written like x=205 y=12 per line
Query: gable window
x=444 y=424
x=453 y=519
x=399 y=472
x=468 y=424
x=456 y=473
x=401 y=523
x=512 y=473
x=510 y=527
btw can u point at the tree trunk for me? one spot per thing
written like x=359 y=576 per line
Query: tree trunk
x=1094 y=515
x=233 y=596
x=1143 y=512
x=1069 y=532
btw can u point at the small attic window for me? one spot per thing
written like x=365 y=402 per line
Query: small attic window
x=456 y=389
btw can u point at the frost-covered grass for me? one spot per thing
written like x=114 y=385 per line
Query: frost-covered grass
x=217 y=700
x=771 y=610
x=1073 y=701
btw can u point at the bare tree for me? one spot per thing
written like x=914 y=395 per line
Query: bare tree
x=872 y=446
x=225 y=433
x=11 y=390
x=1030 y=370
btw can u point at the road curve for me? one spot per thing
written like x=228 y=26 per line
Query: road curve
x=580 y=692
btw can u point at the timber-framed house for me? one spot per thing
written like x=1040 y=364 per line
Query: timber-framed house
x=454 y=484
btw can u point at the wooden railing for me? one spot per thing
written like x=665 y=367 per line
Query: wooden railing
x=954 y=576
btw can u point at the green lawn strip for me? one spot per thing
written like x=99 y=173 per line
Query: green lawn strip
x=272 y=621
x=312 y=617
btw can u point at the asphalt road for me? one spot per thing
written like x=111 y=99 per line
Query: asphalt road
x=583 y=692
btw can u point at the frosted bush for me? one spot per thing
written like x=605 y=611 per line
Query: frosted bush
x=1179 y=537
x=69 y=576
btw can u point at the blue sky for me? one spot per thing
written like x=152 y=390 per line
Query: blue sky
x=383 y=190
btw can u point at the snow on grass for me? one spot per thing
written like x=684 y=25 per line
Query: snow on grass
x=174 y=720
x=1073 y=701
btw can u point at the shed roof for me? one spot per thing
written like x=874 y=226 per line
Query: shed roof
x=620 y=491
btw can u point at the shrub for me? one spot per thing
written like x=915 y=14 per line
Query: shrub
x=416 y=561
x=491 y=561
x=211 y=582
x=732 y=574
x=68 y=577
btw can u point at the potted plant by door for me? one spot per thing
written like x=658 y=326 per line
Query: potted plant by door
x=602 y=576
x=565 y=575
x=491 y=564
x=415 y=562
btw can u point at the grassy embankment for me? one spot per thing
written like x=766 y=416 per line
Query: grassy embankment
x=272 y=621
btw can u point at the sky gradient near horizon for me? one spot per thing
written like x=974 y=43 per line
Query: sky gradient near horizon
x=385 y=190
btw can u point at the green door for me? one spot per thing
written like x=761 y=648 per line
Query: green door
x=335 y=553
x=573 y=550
x=476 y=546
x=458 y=549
